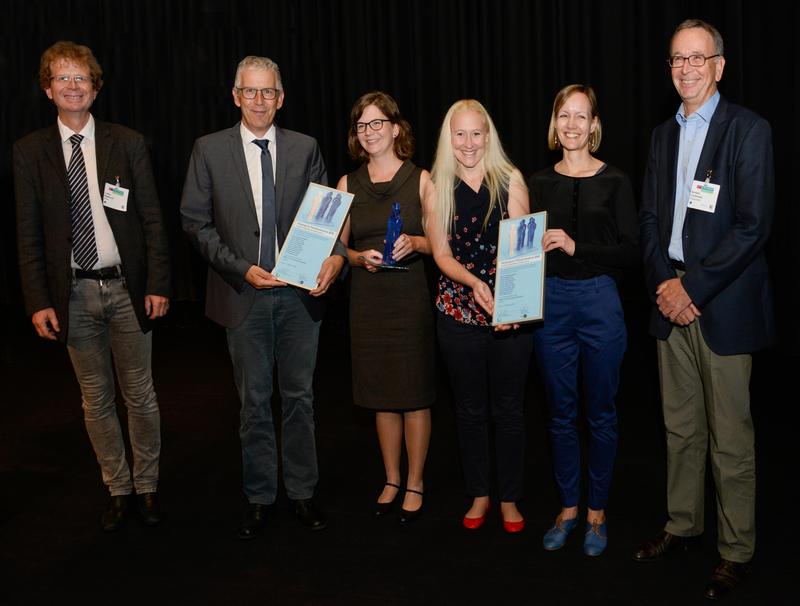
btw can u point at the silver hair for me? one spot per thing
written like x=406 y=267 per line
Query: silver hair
x=260 y=63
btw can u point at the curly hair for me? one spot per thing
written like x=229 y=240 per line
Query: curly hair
x=65 y=50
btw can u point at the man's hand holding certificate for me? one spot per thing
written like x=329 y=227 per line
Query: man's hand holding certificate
x=310 y=240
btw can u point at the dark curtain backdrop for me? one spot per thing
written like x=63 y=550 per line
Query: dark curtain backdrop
x=169 y=68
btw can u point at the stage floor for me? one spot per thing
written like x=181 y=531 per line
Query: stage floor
x=53 y=550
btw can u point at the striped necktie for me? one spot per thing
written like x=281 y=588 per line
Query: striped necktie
x=267 y=258
x=84 y=246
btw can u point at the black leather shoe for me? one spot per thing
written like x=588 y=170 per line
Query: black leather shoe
x=405 y=516
x=115 y=513
x=381 y=509
x=308 y=514
x=661 y=544
x=149 y=509
x=253 y=520
x=725 y=579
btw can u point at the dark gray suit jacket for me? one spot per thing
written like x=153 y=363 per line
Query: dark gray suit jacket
x=219 y=215
x=43 y=221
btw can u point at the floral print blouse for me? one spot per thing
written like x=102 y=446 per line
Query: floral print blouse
x=475 y=248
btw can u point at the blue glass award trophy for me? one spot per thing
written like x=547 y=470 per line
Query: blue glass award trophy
x=394 y=227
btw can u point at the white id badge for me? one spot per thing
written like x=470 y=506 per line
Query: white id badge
x=703 y=196
x=115 y=197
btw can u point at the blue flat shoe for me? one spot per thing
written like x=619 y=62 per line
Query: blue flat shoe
x=596 y=539
x=557 y=535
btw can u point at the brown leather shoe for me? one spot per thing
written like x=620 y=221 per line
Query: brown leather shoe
x=659 y=545
x=725 y=579
x=149 y=509
x=115 y=513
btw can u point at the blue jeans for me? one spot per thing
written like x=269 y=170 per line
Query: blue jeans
x=102 y=324
x=583 y=325
x=278 y=330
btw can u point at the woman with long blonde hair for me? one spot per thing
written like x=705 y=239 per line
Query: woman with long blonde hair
x=477 y=187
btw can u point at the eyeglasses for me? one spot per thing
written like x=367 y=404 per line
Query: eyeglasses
x=375 y=124
x=694 y=60
x=267 y=94
x=66 y=79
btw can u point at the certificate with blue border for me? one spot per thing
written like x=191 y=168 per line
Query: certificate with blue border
x=313 y=234
x=519 y=283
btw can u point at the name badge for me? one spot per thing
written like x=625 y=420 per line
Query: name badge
x=703 y=196
x=115 y=197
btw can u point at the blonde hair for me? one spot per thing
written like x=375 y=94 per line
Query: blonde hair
x=561 y=98
x=497 y=168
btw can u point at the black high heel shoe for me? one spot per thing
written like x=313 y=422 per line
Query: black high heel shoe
x=381 y=509
x=405 y=516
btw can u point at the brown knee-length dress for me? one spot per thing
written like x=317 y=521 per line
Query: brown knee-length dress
x=391 y=314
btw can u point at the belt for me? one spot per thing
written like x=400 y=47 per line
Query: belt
x=104 y=273
x=677 y=265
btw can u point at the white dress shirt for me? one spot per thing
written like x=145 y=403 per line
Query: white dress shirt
x=107 y=251
x=252 y=155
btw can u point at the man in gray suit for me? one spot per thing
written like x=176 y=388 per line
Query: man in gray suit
x=243 y=189
x=94 y=265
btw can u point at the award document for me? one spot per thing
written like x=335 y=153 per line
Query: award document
x=312 y=236
x=519 y=284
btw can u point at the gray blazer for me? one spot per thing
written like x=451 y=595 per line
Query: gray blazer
x=43 y=223
x=219 y=215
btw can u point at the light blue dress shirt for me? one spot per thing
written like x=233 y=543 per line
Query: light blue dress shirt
x=692 y=137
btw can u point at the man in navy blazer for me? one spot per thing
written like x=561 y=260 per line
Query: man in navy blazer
x=706 y=216
x=243 y=189
x=95 y=268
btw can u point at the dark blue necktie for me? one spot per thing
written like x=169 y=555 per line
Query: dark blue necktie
x=267 y=258
x=84 y=245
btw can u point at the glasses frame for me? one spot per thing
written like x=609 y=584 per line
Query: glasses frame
x=361 y=127
x=680 y=60
x=78 y=79
x=268 y=94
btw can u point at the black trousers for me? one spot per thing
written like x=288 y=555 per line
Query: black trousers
x=488 y=371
